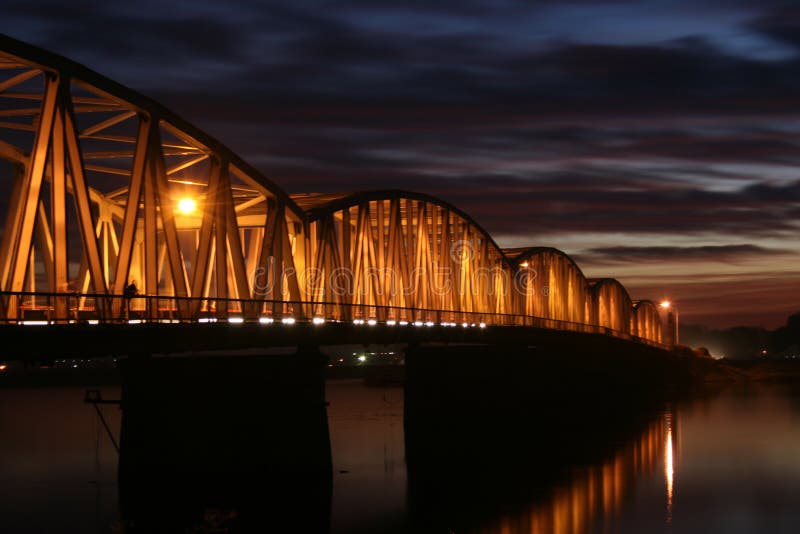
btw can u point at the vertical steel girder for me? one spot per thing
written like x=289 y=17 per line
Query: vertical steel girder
x=15 y=258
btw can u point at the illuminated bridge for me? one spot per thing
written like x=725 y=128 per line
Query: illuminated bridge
x=115 y=210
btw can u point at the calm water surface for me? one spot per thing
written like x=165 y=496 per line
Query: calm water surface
x=727 y=463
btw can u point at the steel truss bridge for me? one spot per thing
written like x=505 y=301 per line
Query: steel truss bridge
x=101 y=188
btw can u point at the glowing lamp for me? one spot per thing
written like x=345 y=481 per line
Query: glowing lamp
x=666 y=304
x=187 y=206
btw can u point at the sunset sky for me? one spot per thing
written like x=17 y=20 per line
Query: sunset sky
x=655 y=141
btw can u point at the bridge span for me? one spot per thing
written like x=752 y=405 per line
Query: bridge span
x=118 y=212
x=128 y=231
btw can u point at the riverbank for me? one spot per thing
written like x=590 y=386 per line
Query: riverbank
x=747 y=370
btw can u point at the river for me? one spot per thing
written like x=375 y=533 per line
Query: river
x=724 y=462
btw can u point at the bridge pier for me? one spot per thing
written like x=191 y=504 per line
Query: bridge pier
x=247 y=435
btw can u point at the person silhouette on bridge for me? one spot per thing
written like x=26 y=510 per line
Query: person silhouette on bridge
x=129 y=292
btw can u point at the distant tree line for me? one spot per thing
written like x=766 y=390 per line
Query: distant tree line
x=745 y=342
x=785 y=341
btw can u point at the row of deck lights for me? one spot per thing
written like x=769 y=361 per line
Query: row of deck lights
x=270 y=320
x=322 y=320
x=391 y=322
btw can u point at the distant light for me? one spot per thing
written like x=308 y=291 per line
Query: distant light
x=288 y=320
x=524 y=264
x=207 y=320
x=93 y=321
x=266 y=320
x=34 y=323
x=665 y=304
x=372 y=322
x=418 y=323
x=358 y=321
x=465 y=325
x=236 y=320
x=3 y=367
x=429 y=323
x=187 y=206
x=318 y=320
x=362 y=358
x=135 y=321
x=403 y=323
x=391 y=322
x=482 y=325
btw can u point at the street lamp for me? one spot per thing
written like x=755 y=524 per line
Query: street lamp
x=187 y=205
x=671 y=312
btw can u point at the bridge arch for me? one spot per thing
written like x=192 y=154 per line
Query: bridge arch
x=392 y=251
x=104 y=186
x=103 y=171
x=550 y=284
x=646 y=321
x=612 y=306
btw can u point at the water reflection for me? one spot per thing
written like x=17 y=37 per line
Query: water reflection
x=728 y=463
x=591 y=494
x=669 y=468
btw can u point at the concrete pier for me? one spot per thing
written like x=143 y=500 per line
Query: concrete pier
x=225 y=431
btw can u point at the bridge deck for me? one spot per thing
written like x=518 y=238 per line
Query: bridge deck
x=40 y=342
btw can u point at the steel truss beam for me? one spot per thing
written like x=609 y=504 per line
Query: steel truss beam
x=101 y=176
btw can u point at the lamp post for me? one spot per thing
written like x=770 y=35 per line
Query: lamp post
x=671 y=312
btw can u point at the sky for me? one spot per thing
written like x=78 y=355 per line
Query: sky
x=654 y=141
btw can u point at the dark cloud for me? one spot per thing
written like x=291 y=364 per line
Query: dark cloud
x=337 y=63
x=782 y=23
x=112 y=37
x=589 y=203
x=709 y=253
x=675 y=118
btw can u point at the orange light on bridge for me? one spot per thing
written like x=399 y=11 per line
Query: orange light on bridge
x=187 y=206
x=666 y=304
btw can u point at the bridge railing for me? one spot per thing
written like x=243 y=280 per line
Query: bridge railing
x=27 y=308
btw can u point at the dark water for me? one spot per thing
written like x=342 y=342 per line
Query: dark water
x=726 y=463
